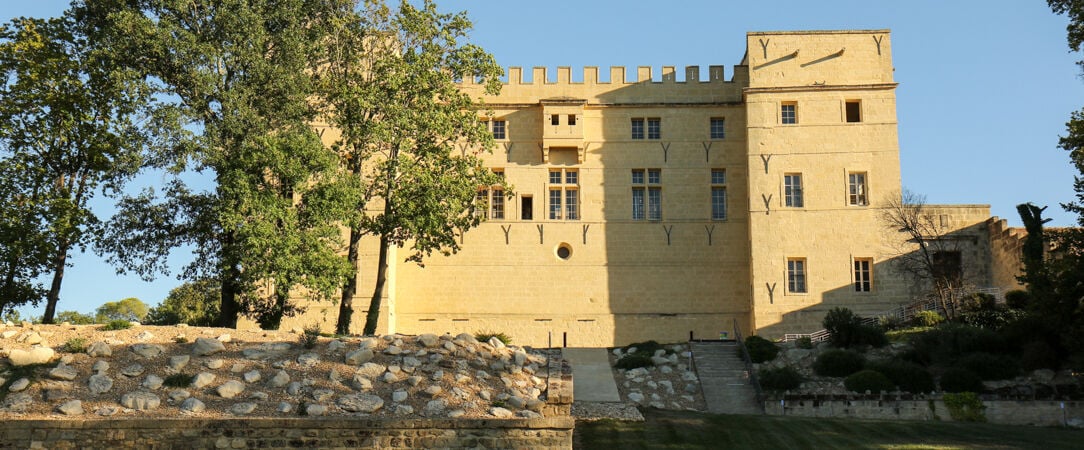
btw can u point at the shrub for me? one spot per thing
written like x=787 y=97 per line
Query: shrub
x=928 y=318
x=1017 y=299
x=872 y=335
x=979 y=302
x=804 y=342
x=76 y=345
x=633 y=361
x=960 y=380
x=842 y=325
x=965 y=407
x=908 y=376
x=890 y=322
x=310 y=336
x=485 y=336
x=945 y=344
x=781 y=379
x=760 y=349
x=992 y=319
x=178 y=380
x=989 y=366
x=647 y=348
x=119 y=324
x=838 y=363
x=868 y=380
x=1038 y=355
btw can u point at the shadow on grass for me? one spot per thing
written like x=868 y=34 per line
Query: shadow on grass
x=679 y=429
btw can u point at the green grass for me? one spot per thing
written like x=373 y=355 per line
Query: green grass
x=689 y=430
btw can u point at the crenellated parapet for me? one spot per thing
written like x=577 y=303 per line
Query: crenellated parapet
x=619 y=75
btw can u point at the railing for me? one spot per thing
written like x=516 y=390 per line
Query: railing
x=749 y=367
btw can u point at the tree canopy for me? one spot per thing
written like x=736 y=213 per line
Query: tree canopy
x=131 y=309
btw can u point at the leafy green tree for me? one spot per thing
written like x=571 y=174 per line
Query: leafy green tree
x=194 y=303
x=70 y=128
x=243 y=73
x=391 y=85
x=75 y=318
x=131 y=309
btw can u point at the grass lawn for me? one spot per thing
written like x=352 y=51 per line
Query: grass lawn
x=674 y=430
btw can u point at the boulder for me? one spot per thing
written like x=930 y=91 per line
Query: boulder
x=308 y=359
x=99 y=349
x=178 y=362
x=99 y=384
x=314 y=409
x=36 y=355
x=230 y=389
x=202 y=379
x=146 y=350
x=140 y=401
x=364 y=403
x=63 y=372
x=359 y=357
x=241 y=409
x=71 y=408
x=280 y=379
x=429 y=340
x=205 y=346
x=19 y=385
x=500 y=413
x=371 y=370
x=192 y=405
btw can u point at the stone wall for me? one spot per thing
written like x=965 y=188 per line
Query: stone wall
x=324 y=432
x=1006 y=412
x=1006 y=253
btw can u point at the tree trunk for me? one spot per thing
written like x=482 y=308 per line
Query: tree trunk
x=381 y=277
x=229 y=309
x=60 y=260
x=346 y=305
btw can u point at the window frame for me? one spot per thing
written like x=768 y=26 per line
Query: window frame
x=503 y=129
x=797 y=276
x=563 y=198
x=717 y=133
x=863 y=274
x=718 y=186
x=788 y=117
x=857 y=188
x=654 y=128
x=857 y=111
x=646 y=200
x=638 y=129
x=793 y=194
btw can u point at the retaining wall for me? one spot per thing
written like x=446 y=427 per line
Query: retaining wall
x=1007 y=412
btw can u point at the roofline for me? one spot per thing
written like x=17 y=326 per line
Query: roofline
x=765 y=33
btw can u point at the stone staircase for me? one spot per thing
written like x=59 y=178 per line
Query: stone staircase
x=723 y=378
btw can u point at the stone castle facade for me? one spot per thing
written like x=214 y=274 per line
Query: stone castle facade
x=650 y=208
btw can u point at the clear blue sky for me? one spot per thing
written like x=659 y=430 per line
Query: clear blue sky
x=985 y=87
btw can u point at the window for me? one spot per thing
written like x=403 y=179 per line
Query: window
x=796 y=275
x=498 y=127
x=856 y=188
x=652 y=190
x=854 y=111
x=572 y=119
x=481 y=203
x=526 y=210
x=718 y=128
x=564 y=194
x=789 y=113
x=497 y=204
x=792 y=190
x=637 y=128
x=654 y=128
x=555 y=119
x=863 y=276
x=718 y=194
x=489 y=202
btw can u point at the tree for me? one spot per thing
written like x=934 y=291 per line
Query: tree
x=406 y=128
x=194 y=303
x=131 y=309
x=928 y=251
x=1073 y=142
x=242 y=73
x=70 y=127
x=75 y=318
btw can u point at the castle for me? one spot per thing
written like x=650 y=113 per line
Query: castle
x=653 y=208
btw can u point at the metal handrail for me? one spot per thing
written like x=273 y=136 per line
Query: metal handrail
x=749 y=367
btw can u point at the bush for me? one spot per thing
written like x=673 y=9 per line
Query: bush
x=178 y=380
x=960 y=380
x=804 y=342
x=927 y=318
x=838 y=363
x=965 y=407
x=980 y=302
x=76 y=345
x=872 y=335
x=908 y=376
x=890 y=322
x=868 y=380
x=781 y=379
x=119 y=324
x=945 y=344
x=846 y=330
x=760 y=349
x=310 y=336
x=1039 y=355
x=647 y=348
x=633 y=361
x=992 y=319
x=1017 y=299
x=485 y=336
x=990 y=367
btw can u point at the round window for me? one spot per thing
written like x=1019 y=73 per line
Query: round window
x=564 y=251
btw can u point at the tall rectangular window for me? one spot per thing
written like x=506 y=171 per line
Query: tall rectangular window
x=555 y=119
x=792 y=190
x=481 y=203
x=555 y=204
x=637 y=203
x=796 y=275
x=571 y=204
x=856 y=189
x=654 y=128
x=654 y=203
x=649 y=187
x=497 y=204
x=564 y=194
x=718 y=128
x=863 y=275
x=853 y=111
x=526 y=208
x=572 y=119
x=499 y=129
x=789 y=113
x=489 y=201
x=718 y=194
x=637 y=128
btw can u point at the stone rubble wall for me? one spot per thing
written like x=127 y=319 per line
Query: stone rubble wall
x=326 y=433
x=1005 y=412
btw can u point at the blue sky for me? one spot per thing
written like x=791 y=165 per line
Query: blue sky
x=985 y=87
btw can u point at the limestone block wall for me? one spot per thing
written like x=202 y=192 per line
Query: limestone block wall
x=1006 y=412
x=1006 y=257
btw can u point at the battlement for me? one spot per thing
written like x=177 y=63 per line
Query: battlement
x=618 y=75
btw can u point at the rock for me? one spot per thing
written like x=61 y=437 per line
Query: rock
x=18 y=402
x=367 y=343
x=294 y=388
x=230 y=389
x=144 y=336
x=692 y=388
x=335 y=345
x=797 y=354
x=202 y=379
x=404 y=410
x=361 y=383
x=393 y=350
x=31 y=338
x=205 y=346
x=1044 y=376
x=280 y=379
x=224 y=338
x=495 y=343
x=107 y=411
x=192 y=405
x=178 y=395
x=365 y=403
x=359 y=357
x=214 y=364
x=8 y=334
x=140 y=401
x=660 y=360
x=19 y=385
x=99 y=349
x=63 y=372
x=519 y=357
x=389 y=377
x=466 y=337
x=36 y=355
x=260 y=396
x=435 y=407
x=636 y=397
x=71 y=408
x=238 y=368
x=321 y=395
x=178 y=362
x=146 y=350
x=400 y=395
x=370 y=370
x=433 y=391
x=529 y=415
x=241 y=409
x=429 y=340
x=535 y=405
x=308 y=360
x=133 y=370
x=500 y=413
x=100 y=366
x=285 y=407
x=99 y=384
x=252 y=376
